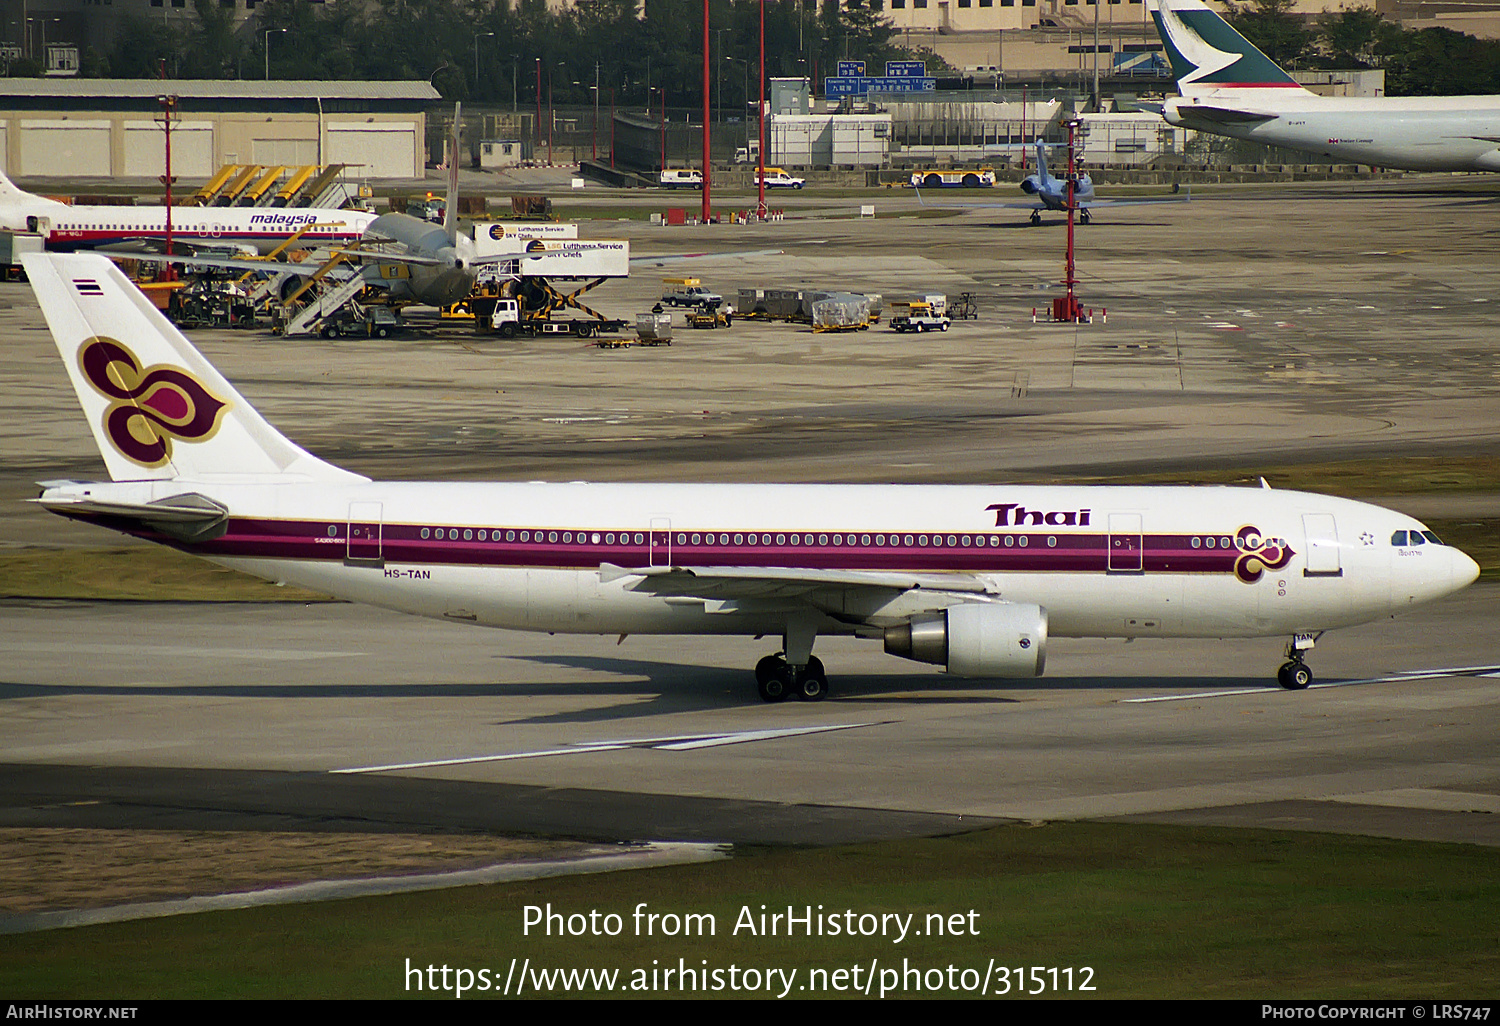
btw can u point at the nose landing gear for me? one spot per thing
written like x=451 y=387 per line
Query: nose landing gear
x=1294 y=674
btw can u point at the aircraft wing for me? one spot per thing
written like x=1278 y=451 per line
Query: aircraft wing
x=1184 y=196
x=719 y=582
x=1181 y=197
x=305 y=267
x=649 y=261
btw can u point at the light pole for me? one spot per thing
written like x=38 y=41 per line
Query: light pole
x=745 y=106
x=269 y=33
x=760 y=177
x=515 y=68
x=477 y=37
x=595 y=133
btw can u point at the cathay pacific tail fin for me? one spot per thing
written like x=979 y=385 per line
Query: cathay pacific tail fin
x=157 y=408
x=1208 y=55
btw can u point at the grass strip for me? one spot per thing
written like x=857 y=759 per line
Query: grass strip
x=1153 y=911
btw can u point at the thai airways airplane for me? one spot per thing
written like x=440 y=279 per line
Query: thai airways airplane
x=1230 y=88
x=972 y=578
x=65 y=227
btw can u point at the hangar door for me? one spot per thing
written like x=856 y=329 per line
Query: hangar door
x=72 y=149
x=375 y=151
x=287 y=152
x=192 y=150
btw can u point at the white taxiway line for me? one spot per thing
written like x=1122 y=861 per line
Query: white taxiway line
x=677 y=743
x=1400 y=678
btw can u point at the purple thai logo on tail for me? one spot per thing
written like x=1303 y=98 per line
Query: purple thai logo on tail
x=1259 y=554
x=149 y=407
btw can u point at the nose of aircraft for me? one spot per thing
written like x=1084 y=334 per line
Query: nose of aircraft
x=1463 y=571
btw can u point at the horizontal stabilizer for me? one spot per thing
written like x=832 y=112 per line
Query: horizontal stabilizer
x=189 y=517
x=1221 y=115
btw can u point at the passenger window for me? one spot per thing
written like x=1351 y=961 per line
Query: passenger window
x=1399 y=538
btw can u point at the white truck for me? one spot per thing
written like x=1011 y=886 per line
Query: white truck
x=681 y=178
x=688 y=292
x=929 y=313
x=777 y=178
x=506 y=320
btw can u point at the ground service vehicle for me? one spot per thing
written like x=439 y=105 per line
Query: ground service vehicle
x=776 y=178
x=974 y=178
x=508 y=322
x=681 y=178
x=917 y=316
x=688 y=292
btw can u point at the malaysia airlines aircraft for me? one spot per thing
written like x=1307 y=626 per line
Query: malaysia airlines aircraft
x=66 y=227
x=1230 y=88
x=972 y=578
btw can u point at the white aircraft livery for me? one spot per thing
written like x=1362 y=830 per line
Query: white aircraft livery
x=1230 y=88
x=972 y=578
x=67 y=227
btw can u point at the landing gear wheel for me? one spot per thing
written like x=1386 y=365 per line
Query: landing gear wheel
x=1036 y=217
x=811 y=683
x=1294 y=675
x=1083 y=216
x=768 y=668
x=777 y=687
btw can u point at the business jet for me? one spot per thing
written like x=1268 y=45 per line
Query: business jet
x=975 y=579
x=1230 y=88
x=65 y=227
x=1052 y=194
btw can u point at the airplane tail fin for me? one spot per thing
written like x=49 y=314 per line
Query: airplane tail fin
x=1207 y=54
x=450 y=205
x=1041 y=160
x=157 y=408
x=16 y=204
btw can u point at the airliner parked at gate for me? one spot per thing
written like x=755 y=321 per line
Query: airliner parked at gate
x=67 y=227
x=1230 y=88
x=972 y=578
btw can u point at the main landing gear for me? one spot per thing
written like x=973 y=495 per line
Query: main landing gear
x=1294 y=674
x=779 y=680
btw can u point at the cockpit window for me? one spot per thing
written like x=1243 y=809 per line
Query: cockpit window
x=1431 y=537
x=1399 y=538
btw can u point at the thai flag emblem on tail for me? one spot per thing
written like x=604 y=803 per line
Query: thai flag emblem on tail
x=87 y=287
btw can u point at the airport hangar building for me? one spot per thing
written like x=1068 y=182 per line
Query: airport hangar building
x=112 y=128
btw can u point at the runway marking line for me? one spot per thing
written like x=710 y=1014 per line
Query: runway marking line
x=1399 y=678
x=673 y=743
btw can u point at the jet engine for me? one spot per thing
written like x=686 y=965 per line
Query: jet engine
x=1031 y=185
x=978 y=639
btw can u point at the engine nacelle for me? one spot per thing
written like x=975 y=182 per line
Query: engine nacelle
x=1031 y=185
x=976 y=639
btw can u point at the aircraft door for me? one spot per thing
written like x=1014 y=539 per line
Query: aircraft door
x=1323 y=558
x=661 y=541
x=1125 y=543
x=365 y=533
